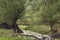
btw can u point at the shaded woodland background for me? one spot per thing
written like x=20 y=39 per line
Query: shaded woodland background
x=41 y=16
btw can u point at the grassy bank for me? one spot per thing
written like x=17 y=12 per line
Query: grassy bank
x=6 y=34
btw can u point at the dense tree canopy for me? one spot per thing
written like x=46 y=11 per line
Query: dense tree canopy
x=36 y=11
x=10 y=10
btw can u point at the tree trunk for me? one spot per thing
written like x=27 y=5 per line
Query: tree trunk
x=15 y=26
x=51 y=27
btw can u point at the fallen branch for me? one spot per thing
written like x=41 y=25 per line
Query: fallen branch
x=36 y=35
x=33 y=37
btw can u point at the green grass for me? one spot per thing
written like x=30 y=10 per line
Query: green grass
x=13 y=38
x=22 y=26
x=39 y=29
x=6 y=34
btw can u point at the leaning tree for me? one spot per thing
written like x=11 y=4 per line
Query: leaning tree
x=9 y=12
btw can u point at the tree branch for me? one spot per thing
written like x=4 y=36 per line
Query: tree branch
x=36 y=35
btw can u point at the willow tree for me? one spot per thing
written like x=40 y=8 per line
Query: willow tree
x=9 y=12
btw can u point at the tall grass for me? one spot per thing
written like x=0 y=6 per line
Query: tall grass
x=6 y=34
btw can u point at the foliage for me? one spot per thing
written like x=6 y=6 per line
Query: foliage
x=9 y=9
x=50 y=13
